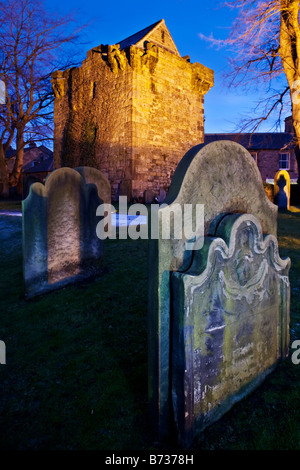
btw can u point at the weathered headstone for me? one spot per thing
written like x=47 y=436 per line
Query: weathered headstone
x=161 y=196
x=282 y=189
x=27 y=182
x=96 y=177
x=60 y=245
x=230 y=322
x=196 y=294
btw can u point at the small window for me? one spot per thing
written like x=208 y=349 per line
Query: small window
x=162 y=36
x=254 y=156
x=284 y=161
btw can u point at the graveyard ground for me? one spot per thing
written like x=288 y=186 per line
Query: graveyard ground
x=76 y=372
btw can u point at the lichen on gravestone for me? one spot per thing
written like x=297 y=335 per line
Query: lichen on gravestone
x=230 y=315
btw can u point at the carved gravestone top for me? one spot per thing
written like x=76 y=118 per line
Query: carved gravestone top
x=94 y=176
x=230 y=322
x=224 y=179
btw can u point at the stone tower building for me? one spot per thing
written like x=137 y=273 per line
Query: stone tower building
x=131 y=110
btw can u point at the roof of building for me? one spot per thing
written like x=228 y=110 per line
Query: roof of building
x=150 y=34
x=11 y=152
x=41 y=148
x=257 y=140
x=131 y=40
x=39 y=165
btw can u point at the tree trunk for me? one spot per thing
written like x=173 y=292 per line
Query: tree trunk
x=17 y=170
x=4 y=175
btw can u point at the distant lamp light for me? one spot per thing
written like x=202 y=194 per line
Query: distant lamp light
x=2 y=92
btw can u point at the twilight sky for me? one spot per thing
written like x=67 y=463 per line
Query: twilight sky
x=110 y=22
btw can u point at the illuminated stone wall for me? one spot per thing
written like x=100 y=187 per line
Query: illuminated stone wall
x=130 y=113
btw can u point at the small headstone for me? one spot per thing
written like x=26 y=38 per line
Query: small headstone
x=96 y=177
x=27 y=182
x=60 y=244
x=162 y=196
x=149 y=196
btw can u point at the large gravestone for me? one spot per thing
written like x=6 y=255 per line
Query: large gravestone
x=230 y=322
x=216 y=294
x=60 y=245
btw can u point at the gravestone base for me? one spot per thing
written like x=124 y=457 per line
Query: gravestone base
x=39 y=286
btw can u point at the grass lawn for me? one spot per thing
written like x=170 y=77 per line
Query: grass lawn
x=76 y=372
x=11 y=205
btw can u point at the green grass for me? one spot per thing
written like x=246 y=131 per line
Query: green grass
x=76 y=372
x=10 y=205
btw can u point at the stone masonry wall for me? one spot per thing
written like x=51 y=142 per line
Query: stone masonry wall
x=168 y=97
x=132 y=114
x=92 y=118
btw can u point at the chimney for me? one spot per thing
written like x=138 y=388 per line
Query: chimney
x=31 y=144
x=288 y=125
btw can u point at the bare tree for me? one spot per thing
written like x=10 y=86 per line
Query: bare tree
x=265 y=45
x=30 y=37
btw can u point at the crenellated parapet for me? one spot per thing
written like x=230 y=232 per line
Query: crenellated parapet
x=122 y=110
